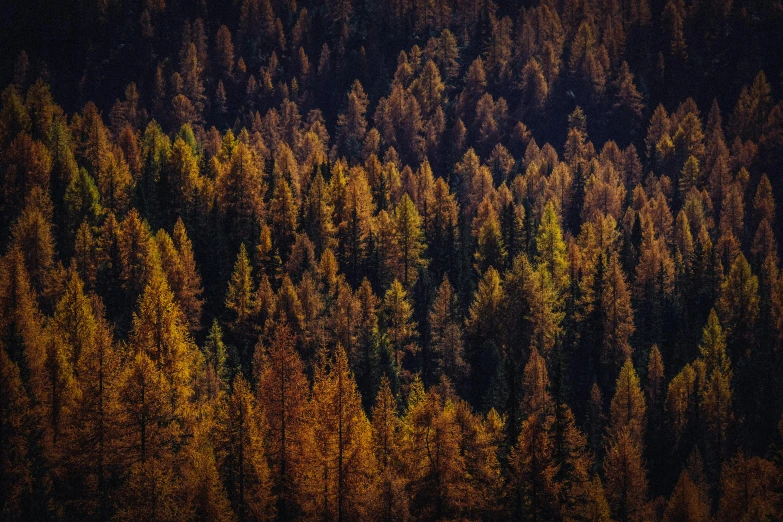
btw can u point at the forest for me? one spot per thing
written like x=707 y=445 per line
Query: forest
x=391 y=260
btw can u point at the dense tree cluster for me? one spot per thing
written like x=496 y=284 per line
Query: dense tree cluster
x=354 y=260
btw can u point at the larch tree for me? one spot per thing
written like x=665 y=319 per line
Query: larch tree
x=391 y=501
x=147 y=445
x=283 y=392
x=715 y=390
x=94 y=440
x=396 y=322
x=241 y=454
x=748 y=487
x=545 y=315
x=283 y=212
x=342 y=459
x=318 y=215
x=626 y=475
x=446 y=356
x=689 y=501
x=160 y=332
x=551 y=248
x=240 y=190
x=483 y=325
x=739 y=305
x=616 y=316
x=409 y=240
x=240 y=299
x=531 y=463
x=188 y=288
x=352 y=123
x=15 y=427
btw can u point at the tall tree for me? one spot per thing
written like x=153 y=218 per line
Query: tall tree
x=283 y=391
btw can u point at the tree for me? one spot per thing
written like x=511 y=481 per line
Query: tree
x=82 y=199
x=715 y=393
x=535 y=88
x=93 y=439
x=15 y=426
x=224 y=53
x=446 y=338
x=749 y=489
x=392 y=502
x=75 y=321
x=739 y=304
x=352 y=124
x=396 y=322
x=241 y=454
x=616 y=315
x=187 y=287
x=484 y=329
x=318 y=215
x=410 y=240
x=689 y=502
x=240 y=300
x=531 y=459
x=160 y=332
x=282 y=211
x=342 y=452
x=628 y=409
x=626 y=475
x=551 y=249
x=240 y=190
x=628 y=104
x=148 y=436
x=283 y=391
x=544 y=315
x=626 y=478
x=183 y=178
x=491 y=249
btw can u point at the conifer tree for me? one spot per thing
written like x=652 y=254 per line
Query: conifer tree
x=283 y=391
x=240 y=299
x=551 y=249
x=409 y=240
x=241 y=454
x=342 y=452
